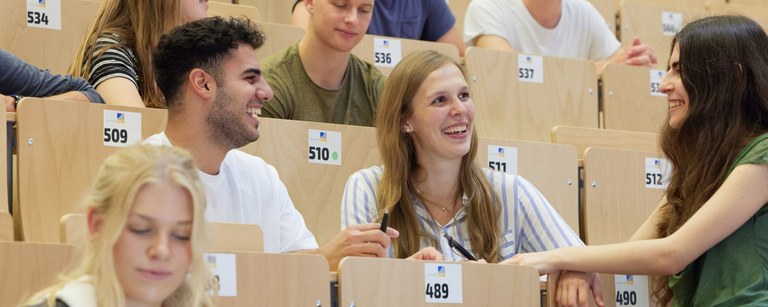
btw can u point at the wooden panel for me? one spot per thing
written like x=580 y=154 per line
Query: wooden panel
x=50 y=49
x=315 y=189
x=279 y=37
x=616 y=199
x=552 y=168
x=758 y=12
x=6 y=226
x=236 y=10
x=459 y=10
x=221 y=236
x=640 y=18
x=235 y=237
x=73 y=229
x=29 y=267
x=582 y=138
x=4 y=179
x=627 y=100
x=277 y=11
x=749 y=2
x=279 y=280
x=365 y=51
x=397 y=282
x=510 y=109
x=60 y=148
x=608 y=9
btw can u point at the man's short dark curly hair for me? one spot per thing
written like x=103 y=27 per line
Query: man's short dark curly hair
x=199 y=44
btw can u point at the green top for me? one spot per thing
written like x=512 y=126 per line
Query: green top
x=734 y=272
x=297 y=97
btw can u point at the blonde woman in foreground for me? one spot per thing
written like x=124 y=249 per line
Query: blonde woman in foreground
x=145 y=219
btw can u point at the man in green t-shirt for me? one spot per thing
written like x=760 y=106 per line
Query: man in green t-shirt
x=318 y=79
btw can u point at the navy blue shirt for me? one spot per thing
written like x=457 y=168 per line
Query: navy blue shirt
x=426 y=20
x=20 y=78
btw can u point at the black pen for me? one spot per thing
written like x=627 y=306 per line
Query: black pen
x=457 y=247
x=384 y=221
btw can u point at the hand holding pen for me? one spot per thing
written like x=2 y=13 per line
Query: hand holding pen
x=456 y=247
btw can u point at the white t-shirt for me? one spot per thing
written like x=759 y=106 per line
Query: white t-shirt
x=248 y=190
x=581 y=32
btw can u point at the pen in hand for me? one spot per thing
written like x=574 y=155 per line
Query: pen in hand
x=457 y=247
x=384 y=221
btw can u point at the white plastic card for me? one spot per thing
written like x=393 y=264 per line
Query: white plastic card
x=324 y=147
x=656 y=76
x=631 y=290
x=442 y=283
x=121 y=129
x=224 y=269
x=530 y=68
x=44 y=14
x=386 y=52
x=502 y=158
x=671 y=23
x=657 y=173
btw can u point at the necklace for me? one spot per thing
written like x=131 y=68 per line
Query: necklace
x=443 y=209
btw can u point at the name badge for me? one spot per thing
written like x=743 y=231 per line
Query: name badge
x=45 y=14
x=386 y=52
x=224 y=270
x=671 y=23
x=324 y=147
x=631 y=290
x=442 y=283
x=658 y=172
x=121 y=129
x=502 y=158
x=530 y=68
x=656 y=76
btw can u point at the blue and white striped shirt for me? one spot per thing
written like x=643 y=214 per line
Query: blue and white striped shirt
x=528 y=221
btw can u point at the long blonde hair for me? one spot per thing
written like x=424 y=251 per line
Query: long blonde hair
x=139 y=25
x=112 y=194
x=399 y=156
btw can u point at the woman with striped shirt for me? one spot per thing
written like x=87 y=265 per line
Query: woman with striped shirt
x=431 y=186
x=115 y=54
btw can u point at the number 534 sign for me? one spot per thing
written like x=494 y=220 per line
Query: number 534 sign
x=44 y=14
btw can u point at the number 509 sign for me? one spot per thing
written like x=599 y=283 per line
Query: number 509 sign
x=121 y=129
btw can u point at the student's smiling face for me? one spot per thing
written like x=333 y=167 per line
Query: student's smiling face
x=442 y=114
x=672 y=85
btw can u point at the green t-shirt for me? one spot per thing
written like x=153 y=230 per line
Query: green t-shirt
x=734 y=272
x=297 y=97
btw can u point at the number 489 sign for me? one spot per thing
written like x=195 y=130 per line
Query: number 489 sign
x=442 y=283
